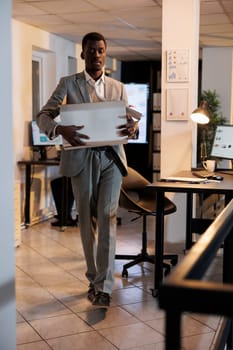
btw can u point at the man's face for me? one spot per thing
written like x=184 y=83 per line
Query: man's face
x=94 y=55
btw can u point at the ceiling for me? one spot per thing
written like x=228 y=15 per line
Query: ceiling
x=132 y=27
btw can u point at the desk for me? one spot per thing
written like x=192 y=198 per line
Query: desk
x=224 y=187
x=28 y=164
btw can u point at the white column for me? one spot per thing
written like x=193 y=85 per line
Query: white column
x=180 y=32
x=7 y=262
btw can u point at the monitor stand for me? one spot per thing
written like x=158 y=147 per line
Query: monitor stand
x=43 y=152
x=39 y=153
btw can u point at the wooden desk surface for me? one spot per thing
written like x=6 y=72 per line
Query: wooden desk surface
x=224 y=186
x=39 y=162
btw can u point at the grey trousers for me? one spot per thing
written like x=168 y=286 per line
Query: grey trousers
x=96 y=191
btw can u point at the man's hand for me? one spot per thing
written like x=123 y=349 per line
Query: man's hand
x=71 y=134
x=130 y=128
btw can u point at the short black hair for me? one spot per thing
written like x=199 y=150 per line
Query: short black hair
x=93 y=36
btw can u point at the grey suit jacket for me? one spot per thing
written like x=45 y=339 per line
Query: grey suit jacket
x=74 y=89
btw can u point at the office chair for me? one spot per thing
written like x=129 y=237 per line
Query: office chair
x=137 y=198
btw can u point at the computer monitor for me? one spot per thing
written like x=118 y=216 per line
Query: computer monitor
x=40 y=139
x=138 y=95
x=222 y=146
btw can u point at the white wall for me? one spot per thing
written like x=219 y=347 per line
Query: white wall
x=54 y=52
x=7 y=262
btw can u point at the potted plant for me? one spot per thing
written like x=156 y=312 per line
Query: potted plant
x=205 y=133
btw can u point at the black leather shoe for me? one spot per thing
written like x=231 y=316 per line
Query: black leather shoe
x=91 y=293
x=69 y=222
x=101 y=299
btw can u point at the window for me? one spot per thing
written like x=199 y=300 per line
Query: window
x=36 y=85
x=72 y=65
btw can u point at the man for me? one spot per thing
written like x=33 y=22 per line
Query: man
x=96 y=173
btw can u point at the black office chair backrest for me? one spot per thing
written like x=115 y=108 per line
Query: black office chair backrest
x=137 y=196
x=134 y=180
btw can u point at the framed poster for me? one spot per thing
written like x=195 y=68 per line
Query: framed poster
x=177 y=104
x=178 y=65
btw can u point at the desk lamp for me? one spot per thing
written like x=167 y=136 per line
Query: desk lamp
x=201 y=115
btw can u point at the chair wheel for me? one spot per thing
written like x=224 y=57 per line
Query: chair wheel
x=124 y=273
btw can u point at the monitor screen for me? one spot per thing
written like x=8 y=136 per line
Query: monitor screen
x=40 y=139
x=223 y=142
x=138 y=95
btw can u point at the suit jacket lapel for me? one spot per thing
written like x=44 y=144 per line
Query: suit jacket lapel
x=81 y=85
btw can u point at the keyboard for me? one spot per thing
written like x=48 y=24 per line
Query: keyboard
x=202 y=174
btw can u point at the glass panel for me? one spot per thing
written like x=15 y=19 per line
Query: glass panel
x=35 y=88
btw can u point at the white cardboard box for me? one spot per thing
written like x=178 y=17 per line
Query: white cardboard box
x=100 y=121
